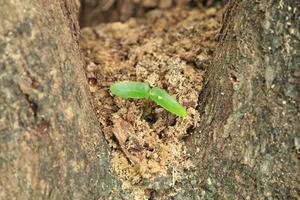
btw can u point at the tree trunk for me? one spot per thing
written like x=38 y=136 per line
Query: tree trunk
x=248 y=143
x=50 y=144
x=247 y=146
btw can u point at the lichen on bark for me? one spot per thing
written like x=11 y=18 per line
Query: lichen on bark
x=50 y=145
x=248 y=143
x=250 y=108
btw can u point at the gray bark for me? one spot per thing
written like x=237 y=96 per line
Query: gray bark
x=50 y=144
x=248 y=143
x=247 y=146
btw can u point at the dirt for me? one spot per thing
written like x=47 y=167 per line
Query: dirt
x=170 y=49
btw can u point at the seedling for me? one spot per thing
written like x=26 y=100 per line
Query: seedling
x=139 y=90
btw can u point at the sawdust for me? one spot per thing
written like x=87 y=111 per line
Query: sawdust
x=168 y=49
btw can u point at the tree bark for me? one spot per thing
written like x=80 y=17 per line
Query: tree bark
x=50 y=144
x=247 y=146
x=248 y=143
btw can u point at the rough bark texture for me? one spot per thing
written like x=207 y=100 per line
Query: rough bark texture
x=248 y=143
x=50 y=144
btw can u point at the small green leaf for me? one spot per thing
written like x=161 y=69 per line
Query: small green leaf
x=135 y=90
x=162 y=98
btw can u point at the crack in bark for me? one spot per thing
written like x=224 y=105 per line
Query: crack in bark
x=33 y=105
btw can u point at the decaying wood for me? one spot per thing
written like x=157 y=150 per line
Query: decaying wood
x=94 y=12
x=247 y=146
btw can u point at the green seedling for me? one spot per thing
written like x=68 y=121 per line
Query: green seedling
x=139 y=90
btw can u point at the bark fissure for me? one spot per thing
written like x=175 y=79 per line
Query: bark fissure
x=248 y=143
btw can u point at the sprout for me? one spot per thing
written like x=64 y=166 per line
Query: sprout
x=139 y=90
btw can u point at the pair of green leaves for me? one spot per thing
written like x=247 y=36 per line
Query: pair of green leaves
x=139 y=90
